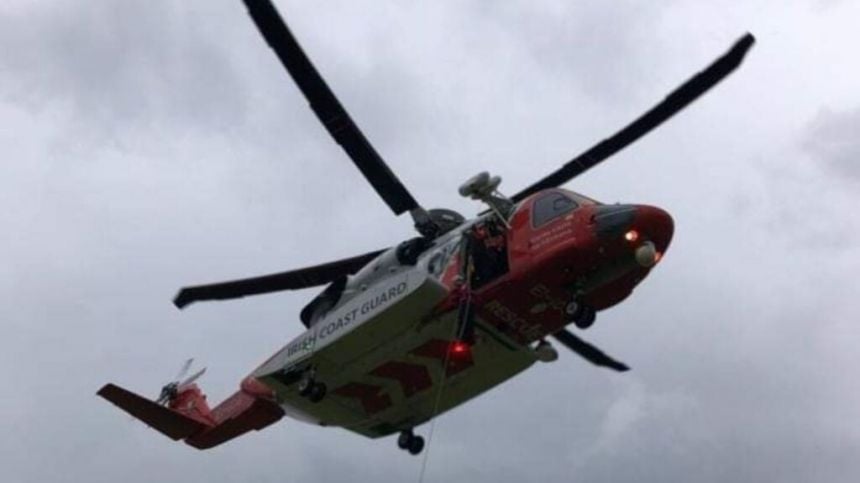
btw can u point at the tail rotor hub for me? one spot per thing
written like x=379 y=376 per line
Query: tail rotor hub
x=171 y=390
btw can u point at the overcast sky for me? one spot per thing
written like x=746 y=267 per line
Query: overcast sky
x=148 y=145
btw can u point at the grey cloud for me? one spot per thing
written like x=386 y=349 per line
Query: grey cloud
x=606 y=50
x=832 y=139
x=123 y=63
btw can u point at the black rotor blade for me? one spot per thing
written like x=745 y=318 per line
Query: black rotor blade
x=327 y=108
x=588 y=352
x=671 y=105
x=291 y=280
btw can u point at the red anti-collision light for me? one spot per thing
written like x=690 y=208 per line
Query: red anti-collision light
x=458 y=347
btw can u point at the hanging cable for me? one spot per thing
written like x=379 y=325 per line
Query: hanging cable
x=460 y=328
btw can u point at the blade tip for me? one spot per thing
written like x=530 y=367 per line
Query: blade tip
x=104 y=390
x=182 y=299
x=745 y=43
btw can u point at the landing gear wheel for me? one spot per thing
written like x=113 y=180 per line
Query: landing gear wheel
x=586 y=318
x=410 y=442
x=580 y=314
x=572 y=309
x=416 y=445
x=317 y=392
x=404 y=439
x=306 y=384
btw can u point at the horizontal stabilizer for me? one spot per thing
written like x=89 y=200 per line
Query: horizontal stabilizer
x=167 y=421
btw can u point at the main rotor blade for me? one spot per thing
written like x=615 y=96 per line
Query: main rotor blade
x=588 y=352
x=327 y=108
x=291 y=280
x=671 y=105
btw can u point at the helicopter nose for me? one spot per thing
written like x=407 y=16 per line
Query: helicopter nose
x=646 y=229
x=655 y=224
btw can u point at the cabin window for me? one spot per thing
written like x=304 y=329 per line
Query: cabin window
x=551 y=206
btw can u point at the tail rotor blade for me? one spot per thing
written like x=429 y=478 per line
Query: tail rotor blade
x=182 y=385
x=183 y=370
x=172 y=388
x=588 y=352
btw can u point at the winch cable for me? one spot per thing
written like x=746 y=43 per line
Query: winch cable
x=464 y=311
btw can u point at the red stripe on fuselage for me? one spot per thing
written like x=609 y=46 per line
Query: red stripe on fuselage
x=371 y=400
x=413 y=378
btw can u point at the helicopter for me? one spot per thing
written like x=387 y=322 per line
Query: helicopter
x=401 y=335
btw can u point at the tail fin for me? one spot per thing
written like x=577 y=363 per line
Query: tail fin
x=189 y=418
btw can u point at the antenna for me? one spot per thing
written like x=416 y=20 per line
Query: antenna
x=483 y=187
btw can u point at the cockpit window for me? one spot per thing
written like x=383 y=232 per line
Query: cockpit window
x=582 y=200
x=550 y=206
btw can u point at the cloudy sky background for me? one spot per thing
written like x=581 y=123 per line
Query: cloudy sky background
x=149 y=145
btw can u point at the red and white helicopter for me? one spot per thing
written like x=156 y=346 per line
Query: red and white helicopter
x=403 y=334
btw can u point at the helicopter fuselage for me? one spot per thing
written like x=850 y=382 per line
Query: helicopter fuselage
x=384 y=349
